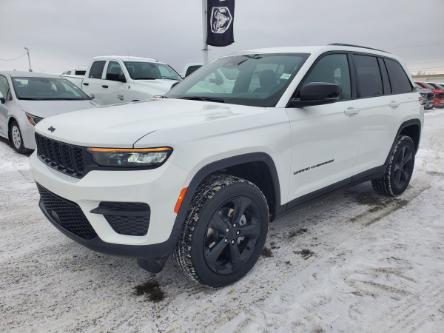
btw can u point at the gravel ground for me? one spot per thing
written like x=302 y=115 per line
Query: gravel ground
x=349 y=261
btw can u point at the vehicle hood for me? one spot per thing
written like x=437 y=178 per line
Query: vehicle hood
x=121 y=126
x=162 y=86
x=45 y=109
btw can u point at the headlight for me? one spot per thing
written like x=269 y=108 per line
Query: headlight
x=33 y=120
x=131 y=157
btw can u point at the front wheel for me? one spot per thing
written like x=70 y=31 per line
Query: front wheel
x=16 y=138
x=224 y=232
x=399 y=168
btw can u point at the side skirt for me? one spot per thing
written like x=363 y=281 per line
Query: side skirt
x=357 y=179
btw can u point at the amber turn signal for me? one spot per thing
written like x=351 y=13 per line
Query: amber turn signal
x=180 y=199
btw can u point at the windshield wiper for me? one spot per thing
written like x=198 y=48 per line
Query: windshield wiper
x=203 y=98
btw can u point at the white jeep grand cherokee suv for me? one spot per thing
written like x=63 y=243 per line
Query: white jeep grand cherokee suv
x=200 y=173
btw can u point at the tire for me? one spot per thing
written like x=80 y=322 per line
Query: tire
x=219 y=246
x=16 y=138
x=399 y=169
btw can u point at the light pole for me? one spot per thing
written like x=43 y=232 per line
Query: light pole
x=29 y=58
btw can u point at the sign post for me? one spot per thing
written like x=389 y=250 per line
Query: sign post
x=204 y=22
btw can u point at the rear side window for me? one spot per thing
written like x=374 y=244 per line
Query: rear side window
x=398 y=78
x=96 y=70
x=368 y=76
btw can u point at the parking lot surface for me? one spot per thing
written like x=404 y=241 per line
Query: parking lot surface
x=349 y=261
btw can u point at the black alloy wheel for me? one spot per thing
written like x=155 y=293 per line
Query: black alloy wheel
x=232 y=235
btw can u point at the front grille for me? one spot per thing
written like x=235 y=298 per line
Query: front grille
x=66 y=214
x=126 y=218
x=61 y=156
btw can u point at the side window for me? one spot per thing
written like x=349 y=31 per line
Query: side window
x=398 y=78
x=332 y=68
x=368 y=76
x=4 y=86
x=114 y=72
x=96 y=70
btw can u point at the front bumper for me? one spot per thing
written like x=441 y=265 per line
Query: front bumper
x=157 y=188
x=154 y=251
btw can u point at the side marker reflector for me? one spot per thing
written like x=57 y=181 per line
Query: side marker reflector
x=180 y=199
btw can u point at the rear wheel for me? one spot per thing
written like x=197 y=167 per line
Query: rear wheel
x=399 y=169
x=16 y=138
x=225 y=231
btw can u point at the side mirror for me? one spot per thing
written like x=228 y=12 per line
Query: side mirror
x=2 y=98
x=316 y=93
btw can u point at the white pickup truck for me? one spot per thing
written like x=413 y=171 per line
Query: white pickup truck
x=119 y=79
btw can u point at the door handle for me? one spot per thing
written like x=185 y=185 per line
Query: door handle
x=120 y=97
x=351 y=111
x=104 y=86
x=85 y=84
x=394 y=104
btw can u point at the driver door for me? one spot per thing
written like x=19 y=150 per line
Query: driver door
x=115 y=83
x=323 y=136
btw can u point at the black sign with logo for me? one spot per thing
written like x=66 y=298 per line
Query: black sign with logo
x=220 y=22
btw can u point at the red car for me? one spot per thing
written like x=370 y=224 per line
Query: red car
x=438 y=93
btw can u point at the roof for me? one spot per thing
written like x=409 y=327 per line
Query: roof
x=126 y=58
x=321 y=49
x=26 y=74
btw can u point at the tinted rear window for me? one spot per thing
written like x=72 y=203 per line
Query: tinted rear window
x=398 y=78
x=368 y=76
x=96 y=70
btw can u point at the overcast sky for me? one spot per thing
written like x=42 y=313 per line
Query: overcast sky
x=67 y=33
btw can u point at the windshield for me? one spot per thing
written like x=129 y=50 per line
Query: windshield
x=255 y=80
x=150 y=71
x=46 y=89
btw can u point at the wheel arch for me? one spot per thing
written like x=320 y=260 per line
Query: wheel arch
x=264 y=175
x=411 y=128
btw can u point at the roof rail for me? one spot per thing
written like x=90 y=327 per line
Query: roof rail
x=353 y=45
